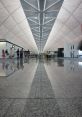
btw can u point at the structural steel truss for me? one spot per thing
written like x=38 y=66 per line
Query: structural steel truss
x=41 y=15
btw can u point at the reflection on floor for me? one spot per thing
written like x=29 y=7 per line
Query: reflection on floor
x=9 y=66
x=41 y=88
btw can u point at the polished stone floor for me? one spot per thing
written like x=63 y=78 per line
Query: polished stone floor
x=41 y=88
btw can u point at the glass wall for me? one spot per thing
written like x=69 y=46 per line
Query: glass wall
x=8 y=49
x=2 y=46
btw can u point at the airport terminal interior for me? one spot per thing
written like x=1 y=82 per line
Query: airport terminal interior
x=40 y=58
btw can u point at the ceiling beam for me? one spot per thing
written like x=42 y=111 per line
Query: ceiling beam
x=31 y=5
x=52 y=4
x=50 y=20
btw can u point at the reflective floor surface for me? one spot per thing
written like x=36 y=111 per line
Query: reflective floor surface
x=41 y=88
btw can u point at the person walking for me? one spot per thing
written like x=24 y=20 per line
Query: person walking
x=21 y=53
x=3 y=54
x=28 y=52
x=17 y=53
x=11 y=53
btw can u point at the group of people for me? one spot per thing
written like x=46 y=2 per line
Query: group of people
x=21 y=54
x=4 y=53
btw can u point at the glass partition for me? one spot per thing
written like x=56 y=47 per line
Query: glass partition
x=8 y=49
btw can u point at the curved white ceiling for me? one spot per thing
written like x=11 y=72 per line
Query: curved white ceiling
x=14 y=26
x=68 y=26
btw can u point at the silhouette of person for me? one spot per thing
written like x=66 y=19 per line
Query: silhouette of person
x=21 y=53
x=17 y=53
x=3 y=54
